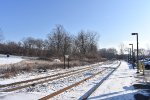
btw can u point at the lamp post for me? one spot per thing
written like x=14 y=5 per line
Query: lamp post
x=137 y=51
x=128 y=55
x=132 y=50
x=132 y=54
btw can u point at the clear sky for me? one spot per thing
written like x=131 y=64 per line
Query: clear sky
x=114 y=20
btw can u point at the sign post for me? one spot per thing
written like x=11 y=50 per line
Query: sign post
x=67 y=56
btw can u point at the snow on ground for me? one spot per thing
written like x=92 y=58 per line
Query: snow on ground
x=76 y=92
x=9 y=60
x=45 y=88
x=118 y=86
x=20 y=96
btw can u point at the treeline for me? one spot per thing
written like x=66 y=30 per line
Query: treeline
x=109 y=53
x=59 y=42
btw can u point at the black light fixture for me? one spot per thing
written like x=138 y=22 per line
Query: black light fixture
x=134 y=33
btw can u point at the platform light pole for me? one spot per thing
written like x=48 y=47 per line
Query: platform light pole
x=132 y=50
x=128 y=55
x=132 y=55
x=137 y=51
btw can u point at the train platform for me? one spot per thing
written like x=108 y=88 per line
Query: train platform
x=144 y=78
x=124 y=84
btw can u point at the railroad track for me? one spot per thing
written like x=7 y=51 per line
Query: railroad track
x=78 y=83
x=88 y=93
x=32 y=82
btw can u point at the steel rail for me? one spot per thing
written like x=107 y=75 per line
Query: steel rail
x=51 y=79
x=69 y=87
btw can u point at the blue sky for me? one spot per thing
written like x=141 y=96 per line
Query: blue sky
x=114 y=20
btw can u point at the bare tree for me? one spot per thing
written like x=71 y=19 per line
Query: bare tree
x=67 y=43
x=81 y=42
x=109 y=53
x=59 y=41
x=39 y=46
x=92 y=43
x=142 y=53
x=122 y=50
x=28 y=44
x=103 y=52
x=86 y=43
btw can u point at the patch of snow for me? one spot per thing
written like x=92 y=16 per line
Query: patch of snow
x=9 y=60
x=56 y=60
x=20 y=96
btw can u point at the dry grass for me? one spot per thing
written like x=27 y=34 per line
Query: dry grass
x=35 y=66
x=9 y=74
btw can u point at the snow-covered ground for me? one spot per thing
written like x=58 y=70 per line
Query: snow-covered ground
x=9 y=60
x=46 y=88
x=117 y=87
